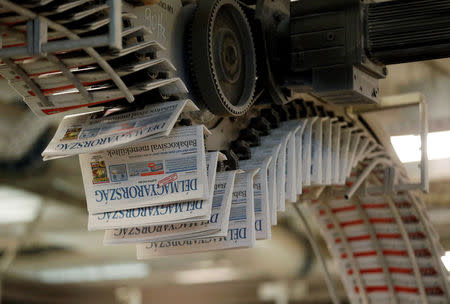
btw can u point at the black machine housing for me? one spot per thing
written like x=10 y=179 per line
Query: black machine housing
x=338 y=49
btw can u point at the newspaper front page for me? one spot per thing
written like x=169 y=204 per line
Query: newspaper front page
x=335 y=151
x=241 y=232
x=92 y=132
x=260 y=195
x=216 y=225
x=353 y=149
x=164 y=214
x=155 y=172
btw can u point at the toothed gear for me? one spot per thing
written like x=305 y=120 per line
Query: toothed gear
x=223 y=61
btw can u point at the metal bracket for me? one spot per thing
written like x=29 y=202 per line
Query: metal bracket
x=381 y=158
x=36 y=36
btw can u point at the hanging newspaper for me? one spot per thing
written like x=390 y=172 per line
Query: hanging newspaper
x=291 y=159
x=155 y=172
x=241 y=232
x=306 y=151
x=327 y=150
x=316 y=151
x=298 y=154
x=216 y=226
x=353 y=147
x=346 y=133
x=272 y=151
x=189 y=211
x=280 y=136
x=263 y=225
x=92 y=132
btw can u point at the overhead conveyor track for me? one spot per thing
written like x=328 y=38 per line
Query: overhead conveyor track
x=83 y=53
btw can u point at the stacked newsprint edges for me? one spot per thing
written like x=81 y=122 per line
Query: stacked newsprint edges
x=97 y=131
x=300 y=153
x=241 y=231
x=260 y=195
x=174 y=212
x=76 y=78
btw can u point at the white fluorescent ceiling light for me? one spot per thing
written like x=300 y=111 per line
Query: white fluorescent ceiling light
x=446 y=260
x=207 y=275
x=408 y=146
x=95 y=273
x=17 y=206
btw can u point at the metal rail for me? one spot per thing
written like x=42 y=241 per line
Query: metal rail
x=409 y=248
x=402 y=101
x=308 y=231
x=22 y=74
x=69 y=75
x=348 y=249
x=10 y=253
x=378 y=248
x=365 y=174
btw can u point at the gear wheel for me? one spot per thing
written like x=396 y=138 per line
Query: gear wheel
x=222 y=57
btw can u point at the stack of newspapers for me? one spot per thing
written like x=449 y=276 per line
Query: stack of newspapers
x=153 y=184
x=76 y=77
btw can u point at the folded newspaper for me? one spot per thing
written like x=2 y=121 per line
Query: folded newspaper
x=91 y=132
x=271 y=151
x=216 y=226
x=155 y=172
x=163 y=214
x=279 y=136
x=241 y=231
x=263 y=227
